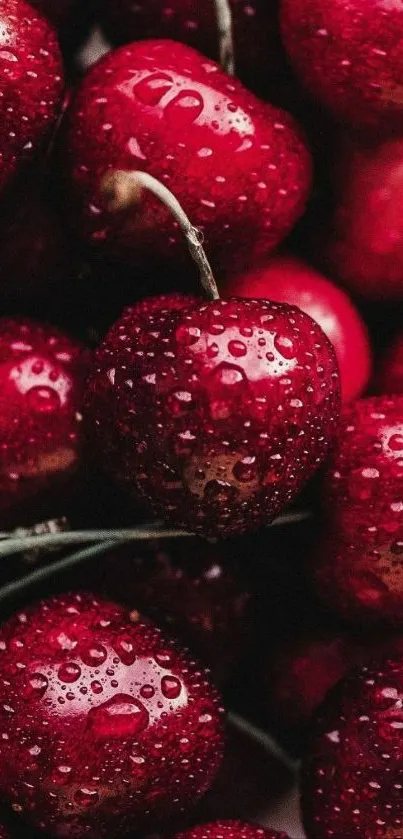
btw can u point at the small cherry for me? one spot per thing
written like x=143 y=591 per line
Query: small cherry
x=357 y=566
x=42 y=373
x=239 y=167
x=31 y=85
x=230 y=829
x=117 y=721
x=287 y=279
x=364 y=243
x=390 y=375
x=243 y=34
x=216 y=414
x=193 y=588
x=348 y=54
x=351 y=780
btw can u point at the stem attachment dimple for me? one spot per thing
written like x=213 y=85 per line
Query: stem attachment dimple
x=225 y=36
x=123 y=189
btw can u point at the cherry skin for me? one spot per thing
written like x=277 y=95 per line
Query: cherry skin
x=349 y=55
x=390 y=375
x=114 y=718
x=215 y=414
x=352 y=776
x=230 y=829
x=289 y=280
x=259 y=57
x=364 y=245
x=193 y=588
x=357 y=566
x=31 y=86
x=42 y=374
x=239 y=167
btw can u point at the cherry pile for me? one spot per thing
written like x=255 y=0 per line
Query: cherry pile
x=201 y=419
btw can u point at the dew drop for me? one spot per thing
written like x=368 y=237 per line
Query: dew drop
x=86 y=797
x=147 y=691
x=237 y=348
x=163 y=658
x=125 y=649
x=120 y=716
x=43 y=400
x=69 y=672
x=94 y=655
x=284 y=346
x=171 y=687
x=37 y=685
x=96 y=687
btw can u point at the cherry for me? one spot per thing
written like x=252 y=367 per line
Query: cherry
x=107 y=714
x=301 y=670
x=42 y=373
x=352 y=774
x=257 y=51
x=289 y=280
x=216 y=414
x=230 y=829
x=357 y=567
x=31 y=84
x=238 y=167
x=364 y=243
x=192 y=587
x=390 y=375
x=348 y=54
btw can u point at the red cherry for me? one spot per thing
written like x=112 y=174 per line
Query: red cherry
x=364 y=244
x=192 y=587
x=230 y=829
x=301 y=670
x=357 y=567
x=41 y=437
x=216 y=414
x=390 y=376
x=99 y=708
x=289 y=280
x=31 y=84
x=238 y=167
x=258 y=53
x=348 y=54
x=353 y=772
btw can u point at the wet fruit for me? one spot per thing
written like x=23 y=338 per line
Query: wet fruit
x=287 y=279
x=42 y=373
x=114 y=725
x=216 y=414
x=238 y=167
x=357 y=566
x=348 y=53
x=352 y=775
x=31 y=86
x=364 y=242
x=229 y=829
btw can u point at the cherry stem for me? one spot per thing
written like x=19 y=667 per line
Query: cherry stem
x=123 y=189
x=225 y=35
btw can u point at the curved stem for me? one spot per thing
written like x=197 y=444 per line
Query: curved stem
x=123 y=189
x=11 y=546
x=225 y=35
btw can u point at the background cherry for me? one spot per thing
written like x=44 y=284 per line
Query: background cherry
x=287 y=279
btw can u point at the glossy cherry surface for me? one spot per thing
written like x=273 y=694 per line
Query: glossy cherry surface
x=31 y=85
x=353 y=772
x=107 y=725
x=239 y=167
x=42 y=373
x=357 y=566
x=349 y=55
x=364 y=244
x=287 y=279
x=216 y=414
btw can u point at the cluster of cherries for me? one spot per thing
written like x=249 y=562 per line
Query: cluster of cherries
x=211 y=408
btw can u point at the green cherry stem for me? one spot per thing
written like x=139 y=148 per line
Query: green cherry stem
x=123 y=189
